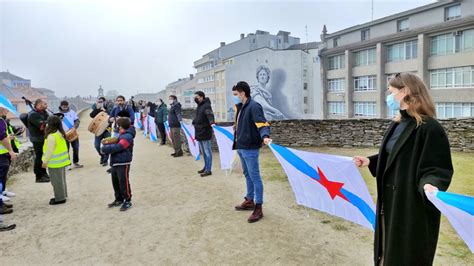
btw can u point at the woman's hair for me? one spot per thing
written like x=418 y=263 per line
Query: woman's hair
x=419 y=101
x=54 y=124
x=266 y=69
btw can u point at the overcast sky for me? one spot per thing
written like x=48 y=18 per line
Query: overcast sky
x=74 y=46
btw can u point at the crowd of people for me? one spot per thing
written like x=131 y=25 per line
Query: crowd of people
x=414 y=157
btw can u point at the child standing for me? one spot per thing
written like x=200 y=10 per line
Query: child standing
x=121 y=154
x=56 y=158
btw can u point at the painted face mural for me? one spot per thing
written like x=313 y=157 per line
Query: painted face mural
x=263 y=95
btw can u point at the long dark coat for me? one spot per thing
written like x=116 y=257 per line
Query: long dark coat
x=420 y=156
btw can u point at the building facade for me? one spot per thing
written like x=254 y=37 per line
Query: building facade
x=435 y=41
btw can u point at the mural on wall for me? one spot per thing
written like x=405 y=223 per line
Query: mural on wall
x=265 y=93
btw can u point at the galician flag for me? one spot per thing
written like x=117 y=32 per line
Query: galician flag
x=168 y=131
x=225 y=140
x=138 y=121
x=192 y=142
x=5 y=103
x=328 y=183
x=459 y=209
x=145 y=126
x=152 y=127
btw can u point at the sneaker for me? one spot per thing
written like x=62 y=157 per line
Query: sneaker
x=109 y=170
x=68 y=168
x=8 y=205
x=4 y=227
x=8 y=193
x=5 y=198
x=125 y=206
x=115 y=203
x=179 y=154
x=104 y=164
x=78 y=165
x=207 y=173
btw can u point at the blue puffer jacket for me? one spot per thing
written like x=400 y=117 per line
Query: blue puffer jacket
x=252 y=127
x=121 y=153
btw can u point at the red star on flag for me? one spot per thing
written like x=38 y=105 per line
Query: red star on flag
x=333 y=188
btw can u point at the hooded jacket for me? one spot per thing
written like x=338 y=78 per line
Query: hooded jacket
x=161 y=114
x=251 y=127
x=203 y=120
x=121 y=153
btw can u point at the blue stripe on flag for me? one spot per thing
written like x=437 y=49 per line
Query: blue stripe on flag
x=67 y=122
x=306 y=169
x=462 y=202
x=225 y=132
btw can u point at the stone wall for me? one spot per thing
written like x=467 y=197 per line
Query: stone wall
x=354 y=132
x=24 y=161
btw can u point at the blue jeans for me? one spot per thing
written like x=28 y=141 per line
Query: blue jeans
x=249 y=160
x=103 y=157
x=206 y=151
x=75 y=150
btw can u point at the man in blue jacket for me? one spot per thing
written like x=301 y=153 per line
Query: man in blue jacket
x=121 y=106
x=251 y=130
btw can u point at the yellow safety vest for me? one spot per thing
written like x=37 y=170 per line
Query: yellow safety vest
x=17 y=143
x=60 y=156
x=4 y=150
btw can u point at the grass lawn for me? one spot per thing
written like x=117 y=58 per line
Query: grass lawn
x=449 y=243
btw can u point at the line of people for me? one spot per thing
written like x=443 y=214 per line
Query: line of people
x=414 y=157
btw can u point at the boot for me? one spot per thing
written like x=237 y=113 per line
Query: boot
x=202 y=171
x=257 y=214
x=247 y=205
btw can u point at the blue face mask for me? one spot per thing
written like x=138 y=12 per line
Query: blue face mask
x=237 y=99
x=393 y=104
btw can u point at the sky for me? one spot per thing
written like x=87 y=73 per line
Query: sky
x=73 y=46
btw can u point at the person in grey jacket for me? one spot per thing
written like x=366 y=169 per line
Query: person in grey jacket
x=174 y=121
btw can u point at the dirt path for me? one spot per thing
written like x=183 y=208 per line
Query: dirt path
x=177 y=218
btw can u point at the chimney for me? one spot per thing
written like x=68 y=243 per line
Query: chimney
x=222 y=44
x=242 y=36
x=191 y=76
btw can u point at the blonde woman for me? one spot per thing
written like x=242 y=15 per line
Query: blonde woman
x=414 y=157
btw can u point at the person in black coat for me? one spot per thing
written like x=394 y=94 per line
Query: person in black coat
x=174 y=121
x=203 y=122
x=414 y=157
x=36 y=126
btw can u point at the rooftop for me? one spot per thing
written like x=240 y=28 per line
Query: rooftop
x=10 y=76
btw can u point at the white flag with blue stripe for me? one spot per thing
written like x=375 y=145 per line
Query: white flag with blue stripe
x=192 y=142
x=225 y=140
x=5 y=103
x=328 y=183
x=168 y=131
x=137 y=123
x=145 y=126
x=459 y=209
x=152 y=127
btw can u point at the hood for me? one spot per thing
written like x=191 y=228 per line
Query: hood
x=205 y=101
x=132 y=131
x=176 y=104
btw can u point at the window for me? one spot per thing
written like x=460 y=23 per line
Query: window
x=451 y=110
x=364 y=57
x=365 y=83
x=335 y=85
x=452 y=12
x=459 y=77
x=336 y=42
x=458 y=41
x=365 y=34
x=305 y=86
x=364 y=109
x=402 y=51
x=305 y=100
x=336 y=62
x=336 y=108
x=403 y=25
